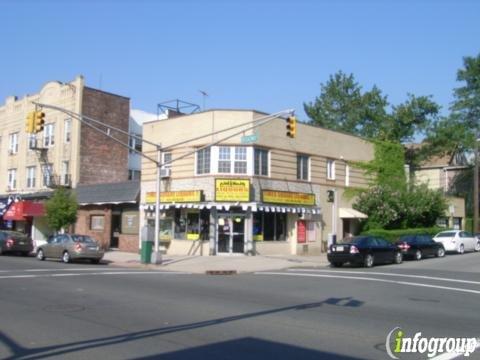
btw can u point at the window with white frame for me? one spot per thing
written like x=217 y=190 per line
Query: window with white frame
x=203 y=161
x=13 y=143
x=240 y=163
x=67 y=130
x=47 y=172
x=302 y=167
x=347 y=175
x=260 y=162
x=224 y=163
x=65 y=180
x=48 y=135
x=330 y=169
x=12 y=179
x=166 y=160
x=97 y=222
x=31 y=174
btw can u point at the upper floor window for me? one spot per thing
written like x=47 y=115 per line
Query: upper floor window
x=47 y=173
x=261 y=162
x=12 y=179
x=224 y=164
x=67 y=130
x=135 y=142
x=302 y=167
x=134 y=175
x=13 y=143
x=203 y=161
x=31 y=174
x=330 y=169
x=65 y=177
x=240 y=164
x=48 y=135
x=167 y=160
x=347 y=175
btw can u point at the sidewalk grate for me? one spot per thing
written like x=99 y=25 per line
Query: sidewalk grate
x=221 y=272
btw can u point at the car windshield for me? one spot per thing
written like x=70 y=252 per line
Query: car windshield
x=82 y=239
x=446 y=234
x=356 y=240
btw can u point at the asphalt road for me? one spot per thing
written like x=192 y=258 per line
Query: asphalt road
x=50 y=310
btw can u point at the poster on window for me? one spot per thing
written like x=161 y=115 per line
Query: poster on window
x=301 y=232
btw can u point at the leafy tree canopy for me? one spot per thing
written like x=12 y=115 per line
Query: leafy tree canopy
x=61 y=209
x=343 y=105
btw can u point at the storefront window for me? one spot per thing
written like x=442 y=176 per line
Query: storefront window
x=180 y=225
x=166 y=229
x=269 y=226
x=193 y=226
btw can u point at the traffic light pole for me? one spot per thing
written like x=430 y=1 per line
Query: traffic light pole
x=157 y=256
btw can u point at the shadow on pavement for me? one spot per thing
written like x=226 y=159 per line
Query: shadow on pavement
x=248 y=348
x=20 y=352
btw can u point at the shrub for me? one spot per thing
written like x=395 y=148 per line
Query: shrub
x=393 y=235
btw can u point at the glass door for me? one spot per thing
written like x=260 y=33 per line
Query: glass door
x=230 y=234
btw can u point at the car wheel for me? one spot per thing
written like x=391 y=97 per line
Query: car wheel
x=418 y=255
x=461 y=249
x=40 y=255
x=368 y=261
x=398 y=258
x=440 y=252
x=477 y=246
x=66 y=257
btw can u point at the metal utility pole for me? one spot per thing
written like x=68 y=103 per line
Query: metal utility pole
x=475 y=189
x=156 y=255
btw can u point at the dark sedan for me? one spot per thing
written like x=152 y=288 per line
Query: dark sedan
x=364 y=250
x=420 y=246
x=15 y=242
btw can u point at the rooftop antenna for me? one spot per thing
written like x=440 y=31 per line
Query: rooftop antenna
x=204 y=94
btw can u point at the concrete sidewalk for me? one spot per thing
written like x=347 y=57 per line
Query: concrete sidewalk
x=204 y=264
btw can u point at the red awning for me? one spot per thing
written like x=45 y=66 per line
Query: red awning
x=19 y=211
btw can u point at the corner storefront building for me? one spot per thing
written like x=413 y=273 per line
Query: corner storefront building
x=259 y=192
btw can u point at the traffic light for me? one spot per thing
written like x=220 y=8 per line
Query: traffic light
x=330 y=196
x=291 y=126
x=39 y=121
x=30 y=123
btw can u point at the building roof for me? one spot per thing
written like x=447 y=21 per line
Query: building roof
x=112 y=193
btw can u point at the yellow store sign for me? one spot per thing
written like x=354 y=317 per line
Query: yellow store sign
x=288 y=198
x=175 y=196
x=234 y=190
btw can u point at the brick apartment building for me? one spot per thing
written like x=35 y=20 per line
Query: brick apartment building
x=67 y=153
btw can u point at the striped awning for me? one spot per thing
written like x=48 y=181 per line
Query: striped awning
x=245 y=206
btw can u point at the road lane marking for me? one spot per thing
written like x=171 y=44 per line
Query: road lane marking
x=30 y=276
x=477 y=292
x=388 y=274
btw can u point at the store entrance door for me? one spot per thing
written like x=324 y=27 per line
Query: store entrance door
x=230 y=234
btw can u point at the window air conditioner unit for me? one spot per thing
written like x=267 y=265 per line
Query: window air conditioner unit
x=165 y=173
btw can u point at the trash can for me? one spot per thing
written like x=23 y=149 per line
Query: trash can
x=146 y=252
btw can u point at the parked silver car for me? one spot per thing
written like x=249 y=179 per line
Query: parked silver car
x=68 y=247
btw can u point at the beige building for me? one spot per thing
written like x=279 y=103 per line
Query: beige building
x=440 y=172
x=66 y=153
x=257 y=192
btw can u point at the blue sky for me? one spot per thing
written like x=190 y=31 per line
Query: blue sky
x=266 y=55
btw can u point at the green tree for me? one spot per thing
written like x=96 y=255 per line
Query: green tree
x=343 y=105
x=61 y=209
